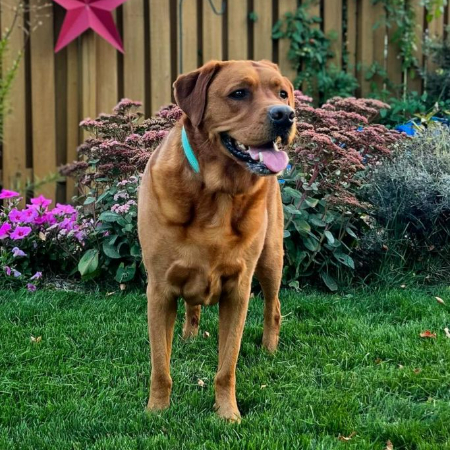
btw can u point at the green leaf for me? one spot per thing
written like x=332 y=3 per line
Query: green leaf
x=317 y=222
x=302 y=226
x=344 y=259
x=89 y=200
x=311 y=202
x=125 y=273
x=351 y=232
x=292 y=192
x=89 y=262
x=110 y=250
x=291 y=209
x=329 y=236
x=286 y=234
x=109 y=216
x=329 y=281
x=135 y=251
x=311 y=244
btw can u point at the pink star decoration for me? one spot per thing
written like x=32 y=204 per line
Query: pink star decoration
x=84 y=14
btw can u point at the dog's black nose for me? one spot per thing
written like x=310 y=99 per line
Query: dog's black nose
x=281 y=115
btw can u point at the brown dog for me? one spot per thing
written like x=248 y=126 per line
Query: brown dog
x=209 y=218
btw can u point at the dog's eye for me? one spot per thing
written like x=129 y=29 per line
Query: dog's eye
x=239 y=94
x=283 y=94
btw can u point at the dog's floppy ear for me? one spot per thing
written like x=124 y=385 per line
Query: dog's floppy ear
x=190 y=91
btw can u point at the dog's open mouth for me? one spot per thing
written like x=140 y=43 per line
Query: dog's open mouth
x=264 y=159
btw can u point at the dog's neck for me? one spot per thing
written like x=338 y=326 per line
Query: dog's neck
x=218 y=172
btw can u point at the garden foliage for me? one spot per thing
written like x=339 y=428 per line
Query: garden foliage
x=410 y=194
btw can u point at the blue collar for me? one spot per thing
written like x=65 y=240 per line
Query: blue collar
x=189 y=152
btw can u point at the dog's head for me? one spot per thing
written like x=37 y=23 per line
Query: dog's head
x=246 y=105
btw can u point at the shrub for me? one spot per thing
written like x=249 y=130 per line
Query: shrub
x=410 y=195
x=108 y=178
x=334 y=146
x=37 y=240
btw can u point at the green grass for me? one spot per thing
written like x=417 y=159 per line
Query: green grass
x=85 y=384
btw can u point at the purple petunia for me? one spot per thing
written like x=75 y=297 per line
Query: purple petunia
x=7 y=270
x=15 y=215
x=40 y=202
x=36 y=276
x=5 y=193
x=4 y=230
x=28 y=215
x=31 y=287
x=17 y=252
x=20 y=233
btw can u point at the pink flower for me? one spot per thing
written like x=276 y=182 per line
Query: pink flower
x=17 y=252
x=36 y=276
x=8 y=194
x=63 y=209
x=40 y=201
x=28 y=215
x=15 y=215
x=7 y=270
x=20 y=233
x=4 y=230
x=31 y=287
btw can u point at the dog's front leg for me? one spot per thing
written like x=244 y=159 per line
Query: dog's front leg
x=162 y=310
x=232 y=313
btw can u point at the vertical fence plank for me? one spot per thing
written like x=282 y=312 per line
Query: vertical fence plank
x=212 y=33
x=43 y=100
x=134 y=50
x=379 y=44
x=160 y=71
x=285 y=6
x=189 y=41
x=367 y=50
x=73 y=112
x=351 y=35
x=262 y=30
x=107 y=88
x=414 y=81
x=14 y=128
x=237 y=29
x=89 y=78
x=435 y=31
x=332 y=23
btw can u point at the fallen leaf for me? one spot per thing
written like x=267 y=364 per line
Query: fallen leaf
x=347 y=438
x=42 y=236
x=400 y=366
x=252 y=295
x=439 y=300
x=389 y=445
x=206 y=334
x=403 y=286
x=378 y=361
x=122 y=286
x=385 y=247
x=428 y=334
x=447 y=332
x=36 y=339
x=263 y=386
x=201 y=383
x=110 y=293
x=417 y=370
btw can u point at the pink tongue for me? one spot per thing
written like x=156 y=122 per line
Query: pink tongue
x=275 y=161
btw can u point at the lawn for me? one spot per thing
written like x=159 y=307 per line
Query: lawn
x=346 y=364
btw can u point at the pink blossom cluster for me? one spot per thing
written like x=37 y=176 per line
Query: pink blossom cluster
x=336 y=141
x=17 y=223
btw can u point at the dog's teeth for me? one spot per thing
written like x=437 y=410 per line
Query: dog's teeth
x=261 y=158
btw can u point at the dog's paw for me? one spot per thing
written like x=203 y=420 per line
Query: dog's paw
x=228 y=412
x=270 y=342
x=157 y=405
x=190 y=332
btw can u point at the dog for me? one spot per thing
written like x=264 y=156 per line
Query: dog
x=210 y=214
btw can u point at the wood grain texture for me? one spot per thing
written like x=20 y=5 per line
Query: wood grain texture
x=134 y=50
x=237 y=29
x=189 y=37
x=285 y=6
x=43 y=85
x=351 y=43
x=212 y=33
x=262 y=30
x=160 y=69
x=14 y=128
x=332 y=23
x=414 y=81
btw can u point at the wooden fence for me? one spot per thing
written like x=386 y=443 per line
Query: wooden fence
x=52 y=93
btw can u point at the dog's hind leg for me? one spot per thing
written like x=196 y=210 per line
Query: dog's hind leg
x=269 y=272
x=162 y=311
x=191 y=321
